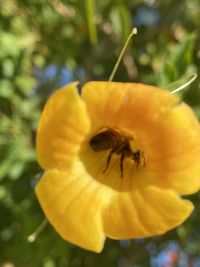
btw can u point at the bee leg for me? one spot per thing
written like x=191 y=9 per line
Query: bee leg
x=136 y=157
x=137 y=163
x=109 y=159
x=144 y=160
x=122 y=164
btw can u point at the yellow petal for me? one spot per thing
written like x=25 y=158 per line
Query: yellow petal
x=167 y=132
x=144 y=213
x=63 y=125
x=122 y=104
x=174 y=151
x=73 y=202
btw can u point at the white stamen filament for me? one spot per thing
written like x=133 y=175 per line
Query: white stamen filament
x=31 y=238
x=192 y=78
x=133 y=32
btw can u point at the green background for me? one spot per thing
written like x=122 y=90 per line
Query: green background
x=46 y=44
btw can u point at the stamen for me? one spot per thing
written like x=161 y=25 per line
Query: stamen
x=133 y=32
x=192 y=78
x=31 y=238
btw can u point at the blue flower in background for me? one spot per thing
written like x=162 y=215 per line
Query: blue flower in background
x=169 y=256
x=58 y=75
x=51 y=78
x=146 y=16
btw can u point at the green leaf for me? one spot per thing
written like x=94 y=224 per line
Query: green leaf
x=9 y=45
x=25 y=83
x=121 y=20
x=179 y=61
x=90 y=16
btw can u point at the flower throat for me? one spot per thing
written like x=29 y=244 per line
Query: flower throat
x=118 y=143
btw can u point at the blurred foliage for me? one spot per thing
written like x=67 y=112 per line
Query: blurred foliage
x=46 y=44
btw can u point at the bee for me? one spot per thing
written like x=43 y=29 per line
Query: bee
x=118 y=143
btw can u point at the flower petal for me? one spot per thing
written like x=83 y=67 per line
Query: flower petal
x=73 y=202
x=178 y=134
x=144 y=213
x=62 y=127
x=164 y=129
x=118 y=104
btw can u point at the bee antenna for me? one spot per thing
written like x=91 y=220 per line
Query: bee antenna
x=192 y=78
x=31 y=238
x=133 y=32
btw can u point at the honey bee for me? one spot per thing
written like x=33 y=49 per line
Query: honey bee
x=117 y=142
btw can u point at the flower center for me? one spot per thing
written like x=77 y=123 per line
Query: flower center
x=119 y=143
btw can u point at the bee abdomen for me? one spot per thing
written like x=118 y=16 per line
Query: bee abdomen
x=104 y=141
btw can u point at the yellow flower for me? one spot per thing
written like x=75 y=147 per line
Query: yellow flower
x=155 y=160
